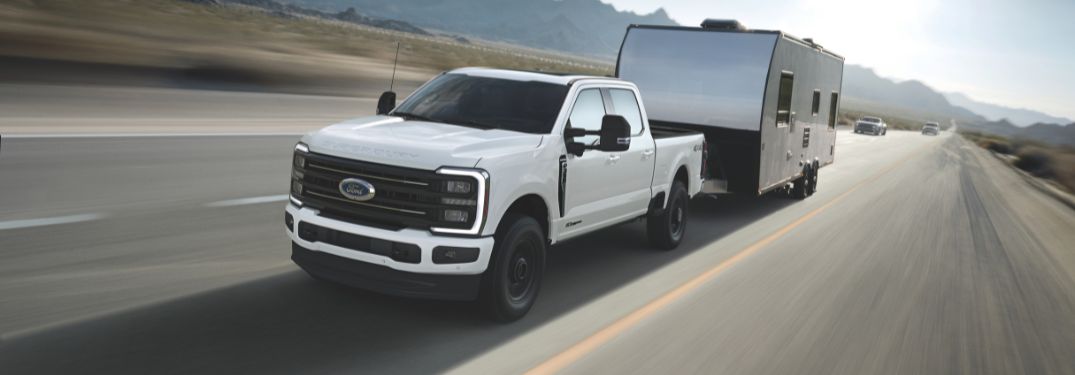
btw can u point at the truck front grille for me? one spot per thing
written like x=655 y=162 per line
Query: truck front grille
x=404 y=197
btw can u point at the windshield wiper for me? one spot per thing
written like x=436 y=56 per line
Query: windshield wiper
x=411 y=116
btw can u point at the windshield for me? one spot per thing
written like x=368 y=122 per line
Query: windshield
x=488 y=103
x=870 y=119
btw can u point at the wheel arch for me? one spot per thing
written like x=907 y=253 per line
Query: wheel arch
x=534 y=206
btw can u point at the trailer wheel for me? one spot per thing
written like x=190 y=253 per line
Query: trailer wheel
x=802 y=188
x=813 y=179
x=665 y=230
x=511 y=283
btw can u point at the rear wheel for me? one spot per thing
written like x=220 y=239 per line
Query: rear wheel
x=511 y=283
x=812 y=187
x=665 y=229
x=801 y=188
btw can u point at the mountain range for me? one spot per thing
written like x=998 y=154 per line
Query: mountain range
x=585 y=27
x=1017 y=116
x=595 y=29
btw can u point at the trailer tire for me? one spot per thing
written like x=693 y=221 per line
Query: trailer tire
x=802 y=188
x=665 y=228
x=511 y=283
x=813 y=179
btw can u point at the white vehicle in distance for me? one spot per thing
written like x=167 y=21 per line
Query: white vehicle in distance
x=871 y=125
x=457 y=193
x=931 y=128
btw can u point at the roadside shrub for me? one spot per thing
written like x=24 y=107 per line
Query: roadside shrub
x=1035 y=161
x=996 y=145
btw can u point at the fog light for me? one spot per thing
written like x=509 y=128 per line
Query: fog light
x=456 y=216
x=289 y=221
x=458 y=201
x=460 y=187
x=446 y=254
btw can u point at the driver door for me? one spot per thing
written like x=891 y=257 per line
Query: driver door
x=598 y=184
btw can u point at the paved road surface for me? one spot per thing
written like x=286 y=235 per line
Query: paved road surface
x=59 y=109
x=167 y=255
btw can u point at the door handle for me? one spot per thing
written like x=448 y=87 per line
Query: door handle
x=647 y=153
x=613 y=158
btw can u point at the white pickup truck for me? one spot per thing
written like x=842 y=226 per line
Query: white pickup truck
x=457 y=193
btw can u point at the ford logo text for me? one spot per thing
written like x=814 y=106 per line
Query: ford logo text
x=356 y=189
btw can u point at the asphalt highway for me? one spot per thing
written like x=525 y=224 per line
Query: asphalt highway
x=168 y=255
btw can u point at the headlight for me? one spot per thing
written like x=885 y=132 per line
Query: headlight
x=473 y=209
x=456 y=216
x=298 y=163
x=458 y=187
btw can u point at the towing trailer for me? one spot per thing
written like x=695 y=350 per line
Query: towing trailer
x=766 y=101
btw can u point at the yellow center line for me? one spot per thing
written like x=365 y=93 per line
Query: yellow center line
x=599 y=338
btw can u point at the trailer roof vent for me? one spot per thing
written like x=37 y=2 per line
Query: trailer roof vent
x=712 y=23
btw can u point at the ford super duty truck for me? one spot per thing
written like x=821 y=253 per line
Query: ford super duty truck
x=457 y=192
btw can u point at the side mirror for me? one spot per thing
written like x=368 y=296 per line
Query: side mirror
x=615 y=134
x=386 y=103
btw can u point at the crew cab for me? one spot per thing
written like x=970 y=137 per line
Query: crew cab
x=457 y=193
x=931 y=128
x=871 y=125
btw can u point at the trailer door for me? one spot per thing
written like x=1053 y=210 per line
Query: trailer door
x=785 y=120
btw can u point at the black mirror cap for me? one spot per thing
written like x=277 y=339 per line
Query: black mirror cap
x=615 y=133
x=386 y=103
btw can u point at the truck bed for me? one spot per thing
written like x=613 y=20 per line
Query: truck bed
x=660 y=132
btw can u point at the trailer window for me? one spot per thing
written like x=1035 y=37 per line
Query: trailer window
x=815 y=106
x=625 y=104
x=587 y=113
x=832 y=109
x=783 y=101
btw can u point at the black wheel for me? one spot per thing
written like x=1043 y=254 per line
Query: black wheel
x=665 y=230
x=812 y=186
x=511 y=283
x=801 y=188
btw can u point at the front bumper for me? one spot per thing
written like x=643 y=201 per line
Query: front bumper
x=385 y=280
x=423 y=239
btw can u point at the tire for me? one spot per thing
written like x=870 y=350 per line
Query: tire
x=802 y=188
x=812 y=188
x=666 y=228
x=511 y=284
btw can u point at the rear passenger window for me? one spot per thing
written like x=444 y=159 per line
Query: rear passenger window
x=625 y=104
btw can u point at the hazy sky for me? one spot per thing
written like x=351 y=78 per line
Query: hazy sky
x=1009 y=52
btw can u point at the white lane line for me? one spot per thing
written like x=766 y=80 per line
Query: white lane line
x=246 y=201
x=148 y=135
x=28 y=223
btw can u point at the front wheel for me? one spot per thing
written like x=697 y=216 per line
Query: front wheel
x=511 y=283
x=665 y=229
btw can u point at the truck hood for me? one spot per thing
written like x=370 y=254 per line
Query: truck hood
x=416 y=144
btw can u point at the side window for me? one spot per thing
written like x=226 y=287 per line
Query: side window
x=833 y=101
x=783 y=100
x=816 y=104
x=625 y=104
x=587 y=113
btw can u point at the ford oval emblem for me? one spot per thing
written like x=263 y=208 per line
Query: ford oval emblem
x=356 y=189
